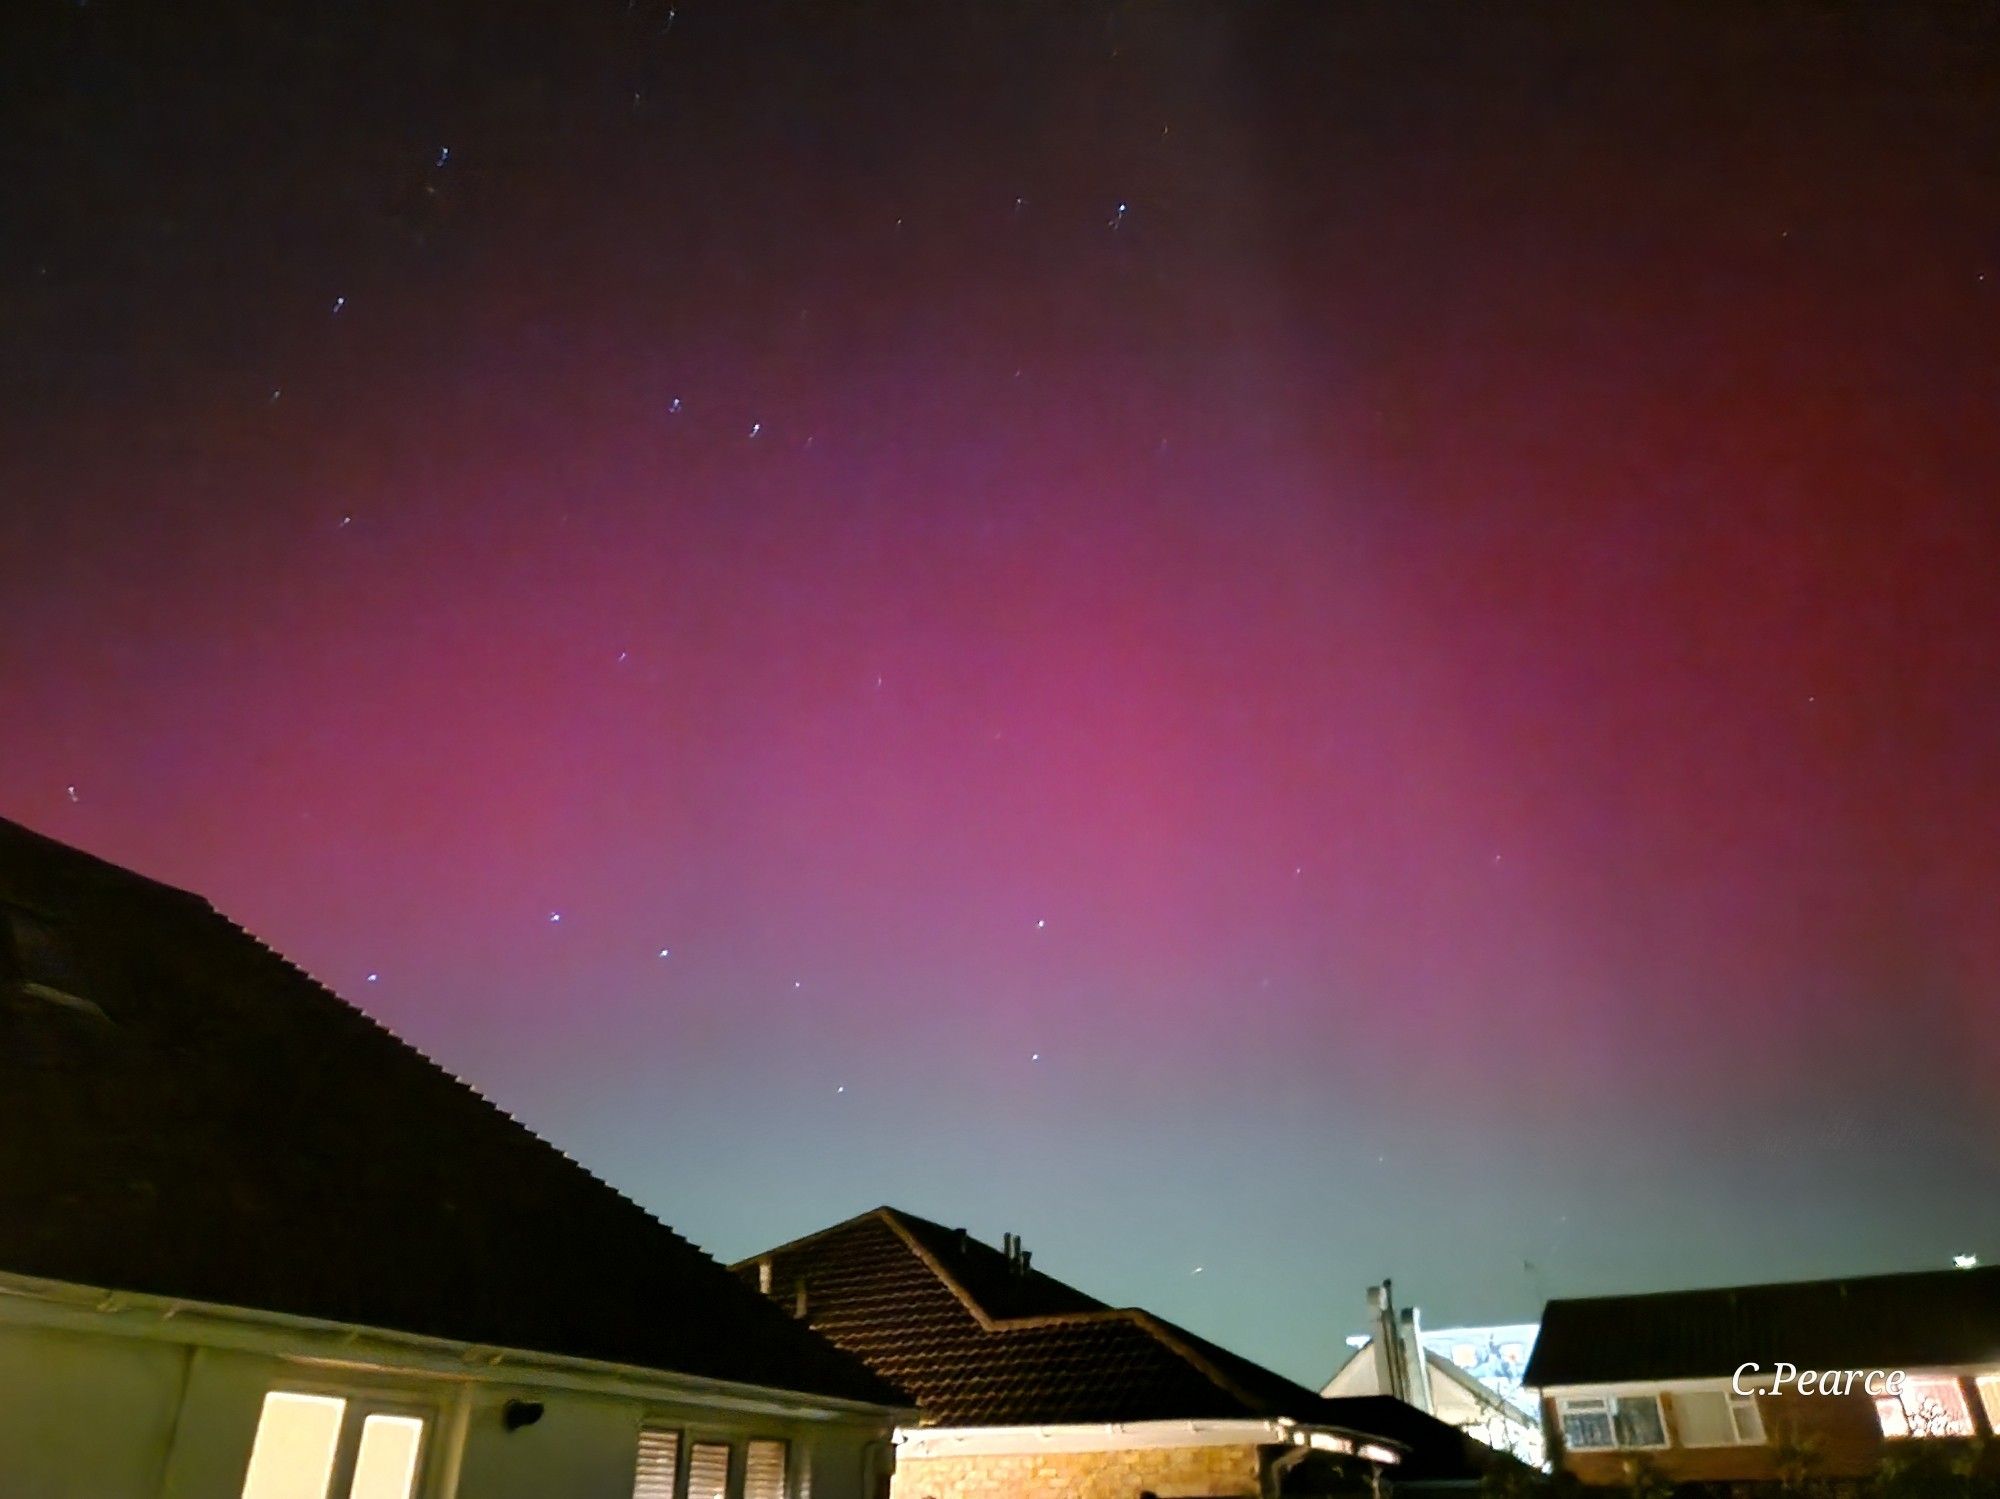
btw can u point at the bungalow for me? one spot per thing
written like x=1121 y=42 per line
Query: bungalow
x=253 y=1245
x=1032 y=1389
x=1733 y=1384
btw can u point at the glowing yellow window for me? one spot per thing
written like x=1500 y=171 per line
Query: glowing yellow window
x=321 y=1446
x=297 y=1439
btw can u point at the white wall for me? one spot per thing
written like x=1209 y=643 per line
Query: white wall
x=85 y=1417
x=138 y=1412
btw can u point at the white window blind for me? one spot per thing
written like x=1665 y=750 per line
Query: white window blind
x=764 y=1470
x=659 y=1463
x=708 y=1471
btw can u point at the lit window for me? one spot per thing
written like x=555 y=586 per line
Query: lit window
x=659 y=1463
x=1716 y=1418
x=303 y=1440
x=1599 y=1422
x=708 y=1471
x=764 y=1470
x=1929 y=1407
x=1989 y=1396
x=292 y=1456
x=385 y=1462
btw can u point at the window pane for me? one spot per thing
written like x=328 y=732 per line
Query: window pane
x=708 y=1471
x=1749 y=1423
x=385 y=1467
x=1929 y=1408
x=659 y=1463
x=1703 y=1418
x=292 y=1457
x=764 y=1470
x=1989 y=1396
x=1586 y=1424
x=1639 y=1422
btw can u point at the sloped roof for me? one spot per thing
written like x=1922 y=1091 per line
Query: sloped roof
x=979 y=1344
x=1925 y=1319
x=230 y=1131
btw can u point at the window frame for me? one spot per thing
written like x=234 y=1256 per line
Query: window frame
x=1733 y=1408
x=1607 y=1403
x=356 y=1406
x=1909 y=1433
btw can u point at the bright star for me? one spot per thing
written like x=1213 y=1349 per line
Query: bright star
x=666 y=952
x=1040 y=923
x=339 y=303
x=373 y=976
x=72 y=792
x=555 y=916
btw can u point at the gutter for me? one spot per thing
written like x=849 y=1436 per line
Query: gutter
x=314 y=1340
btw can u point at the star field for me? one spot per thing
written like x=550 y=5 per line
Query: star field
x=1270 y=646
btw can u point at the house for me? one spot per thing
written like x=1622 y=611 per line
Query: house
x=1468 y=1377
x=252 y=1246
x=1030 y=1388
x=1748 y=1382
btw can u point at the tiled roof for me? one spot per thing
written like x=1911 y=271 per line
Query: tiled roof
x=227 y=1130
x=980 y=1344
x=1928 y=1319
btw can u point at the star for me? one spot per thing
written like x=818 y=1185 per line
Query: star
x=373 y=977
x=623 y=656
x=555 y=916
x=346 y=521
x=339 y=303
x=1040 y=923
x=674 y=406
x=72 y=792
x=276 y=391
x=841 y=1089
x=1196 y=1270
x=666 y=952
x=798 y=983
x=756 y=428
x=444 y=155
x=1035 y=1056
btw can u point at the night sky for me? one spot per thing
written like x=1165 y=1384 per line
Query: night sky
x=1270 y=646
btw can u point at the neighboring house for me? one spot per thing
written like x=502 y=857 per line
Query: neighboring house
x=252 y=1246
x=1467 y=1377
x=1662 y=1375
x=1029 y=1388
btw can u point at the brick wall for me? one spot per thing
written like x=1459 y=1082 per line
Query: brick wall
x=1840 y=1430
x=1170 y=1472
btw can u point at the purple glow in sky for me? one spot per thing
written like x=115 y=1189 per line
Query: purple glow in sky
x=1309 y=643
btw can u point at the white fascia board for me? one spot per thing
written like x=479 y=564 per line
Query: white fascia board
x=34 y=1301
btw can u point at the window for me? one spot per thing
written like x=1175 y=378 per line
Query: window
x=1600 y=1422
x=1989 y=1396
x=708 y=1471
x=314 y=1446
x=1716 y=1418
x=1928 y=1407
x=659 y=1463
x=764 y=1464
